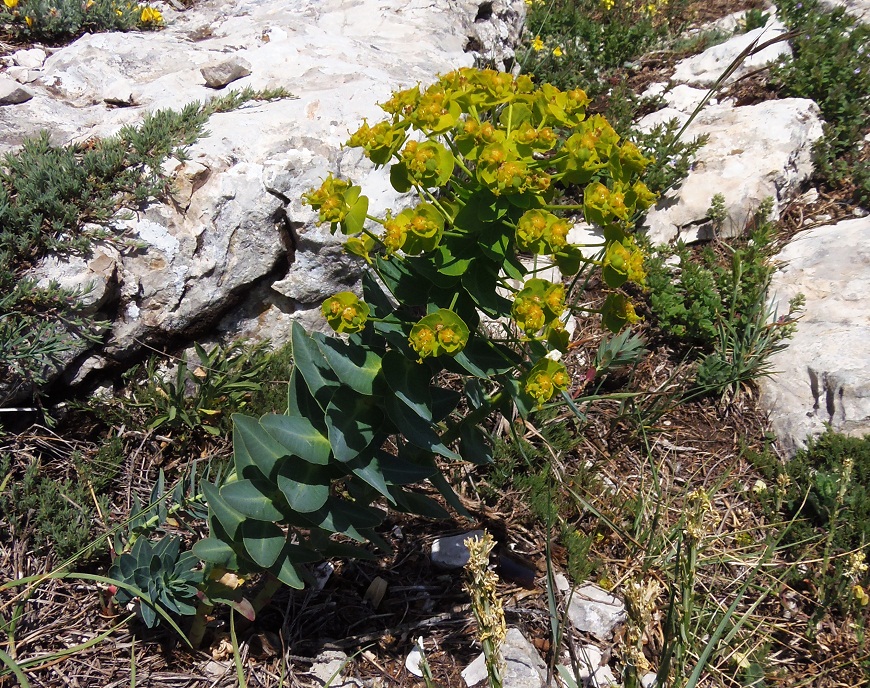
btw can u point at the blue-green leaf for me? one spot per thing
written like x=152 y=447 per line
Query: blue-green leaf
x=409 y=381
x=263 y=541
x=368 y=469
x=418 y=504
x=228 y=517
x=340 y=516
x=352 y=421
x=355 y=366
x=251 y=499
x=309 y=361
x=474 y=446
x=298 y=436
x=253 y=445
x=285 y=572
x=304 y=485
x=213 y=551
x=416 y=430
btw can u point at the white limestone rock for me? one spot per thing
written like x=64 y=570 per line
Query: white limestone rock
x=823 y=376
x=594 y=610
x=29 y=59
x=120 y=92
x=524 y=667
x=707 y=67
x=753 y=152
x=22 y=75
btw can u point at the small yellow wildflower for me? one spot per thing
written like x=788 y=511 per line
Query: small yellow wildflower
x=150 y=15
x=607 y=4
x=557 y=51
x=29 y=21
x=10 y=3
x=537 y=44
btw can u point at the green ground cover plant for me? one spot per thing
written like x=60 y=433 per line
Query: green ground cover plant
x=63 y=20
x=716 y=303
x=829 y=65
x=570 y=43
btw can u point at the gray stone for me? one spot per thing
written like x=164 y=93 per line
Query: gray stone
x=226 y=72
x=29 y=59
x=648 y=680
x=753 y=152
x=707 y=67
x=594 y=610
x=589 y=659
x=823 y=375
x=602 y=678
x=327 y=669
x=13 y=93
x=524 y=667
x=451 y=552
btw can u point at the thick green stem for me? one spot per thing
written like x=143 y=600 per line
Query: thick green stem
x=197 y=627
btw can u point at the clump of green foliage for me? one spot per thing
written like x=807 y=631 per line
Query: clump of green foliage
x=525 y=466
x=829 y=65
x=583 y=42
x=823 y=493
x=817 y=477
x=58 y=514
x=202 y=398
x=716 y=303
x=61 y=199
x=59 y=20
x=690 y=299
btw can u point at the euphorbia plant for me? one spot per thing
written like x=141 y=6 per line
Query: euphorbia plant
x=486 y=155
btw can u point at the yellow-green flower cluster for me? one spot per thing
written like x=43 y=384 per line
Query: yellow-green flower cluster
x=442 y=332
x=545 y=379
x=537 y=305
x=345 y=313
x=541 y=232
x=623 y=262
x=339 y=203
x=485 y=151
x=414 y=230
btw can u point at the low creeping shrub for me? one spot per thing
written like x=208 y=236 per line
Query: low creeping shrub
x=829 y=65
x=60 y=20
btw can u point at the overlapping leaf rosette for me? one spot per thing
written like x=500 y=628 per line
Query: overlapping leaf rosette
x=486 y=155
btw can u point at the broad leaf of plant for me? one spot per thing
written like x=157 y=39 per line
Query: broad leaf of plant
x=252 y=498
x=299 y=436
x=354 y=366
x=253 y=445
x=352 y=422
x=321 y=380
x=409 y=381
x=263 y=541
x=304 y=485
